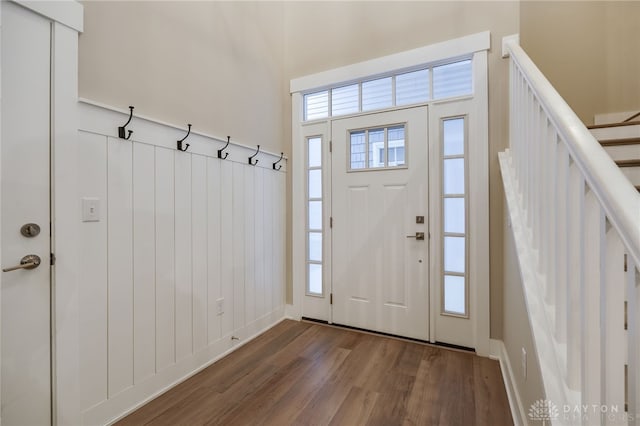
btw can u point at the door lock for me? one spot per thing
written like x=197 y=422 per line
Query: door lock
x=30 y=261
x=30 y=230
x=418 y=236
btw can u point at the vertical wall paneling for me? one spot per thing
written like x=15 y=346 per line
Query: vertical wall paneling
x=249 y=243
x=184 y=290
x=227 y=221
x=144 y=263
x=267 y=250
x=238 y=246
x=92 y=174
x=258 y=245
x=187 y=251
x=120 y=258
x=165 y=267
x=214 y=291
x=279 y=239
x=199 y=252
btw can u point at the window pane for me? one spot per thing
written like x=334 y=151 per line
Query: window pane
x=315 y=214
x=315 y=278
x=316 y=105
x=452 y=80
x=454 y=254
x=376 y=142
x=453 y=135
x=412 y=87
x=454 y=294
x=344 y=100
x=315 y=184
x=357 y=150
x=315 y=152
x=396 y=143
x=315 y=246
x=376 y=94
x=454 y=215
x=454 y=176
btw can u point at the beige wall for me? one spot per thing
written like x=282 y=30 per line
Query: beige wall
x=589 y=51
x=225 y=67
x=217 y=65
x=325 y=35
x=517 y=329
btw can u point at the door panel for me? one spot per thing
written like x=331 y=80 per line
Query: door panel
x=25 y=171
x=379 y=275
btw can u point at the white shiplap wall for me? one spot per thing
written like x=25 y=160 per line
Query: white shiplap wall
x=177 y=232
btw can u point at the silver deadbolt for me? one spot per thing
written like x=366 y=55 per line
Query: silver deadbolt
x=30 y=261
x=30 y=230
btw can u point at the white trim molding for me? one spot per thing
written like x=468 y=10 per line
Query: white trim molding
x=499 y=353
x=458 y=47
x=472 y=47
x=65 y=12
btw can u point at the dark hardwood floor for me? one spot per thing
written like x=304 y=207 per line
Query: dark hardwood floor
x=300 y=373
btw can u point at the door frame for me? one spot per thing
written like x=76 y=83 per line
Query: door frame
x=66 y=22
x=476 y=46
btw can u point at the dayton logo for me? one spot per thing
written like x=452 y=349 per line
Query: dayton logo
x=543 y=410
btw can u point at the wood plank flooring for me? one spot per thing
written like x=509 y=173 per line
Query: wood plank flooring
x=309 y=374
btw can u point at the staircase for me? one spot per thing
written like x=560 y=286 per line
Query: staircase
x=622 y=142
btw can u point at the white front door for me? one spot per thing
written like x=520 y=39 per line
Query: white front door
x=379 y=208
x=25 y=170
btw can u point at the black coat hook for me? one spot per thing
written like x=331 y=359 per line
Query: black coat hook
x=182 y=140
x=121 y=129
x=251 y=162
x=226 y=154
x=280 y=166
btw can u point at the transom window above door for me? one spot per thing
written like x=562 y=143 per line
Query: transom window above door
x=408 y=88
x=377 y=148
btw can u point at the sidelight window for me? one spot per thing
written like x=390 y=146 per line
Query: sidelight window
x=454 y=208
x=314 y=216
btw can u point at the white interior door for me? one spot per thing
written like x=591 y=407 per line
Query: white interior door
x=379 y=191
x=25 y=171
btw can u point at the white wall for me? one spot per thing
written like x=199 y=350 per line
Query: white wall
x=177 y=232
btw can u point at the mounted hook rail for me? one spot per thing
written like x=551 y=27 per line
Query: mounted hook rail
x=122 y=129
x=251 y=162
x=182 y=140
x=226 y=154
x=279 y=160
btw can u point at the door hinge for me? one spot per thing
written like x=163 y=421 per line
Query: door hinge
x=330 y=146
x=52 y=259
x=331 y=222
x=625 y=263
x=331 y=298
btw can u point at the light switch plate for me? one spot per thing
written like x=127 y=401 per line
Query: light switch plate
x=90 y=209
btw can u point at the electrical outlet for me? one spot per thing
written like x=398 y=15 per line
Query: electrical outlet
x=524 y=363
x=220 y=306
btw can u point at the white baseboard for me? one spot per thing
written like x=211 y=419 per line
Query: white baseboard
x=135 y=397
x=499 y=352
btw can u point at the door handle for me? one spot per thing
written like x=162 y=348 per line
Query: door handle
x=30 y=261
x=418 y=236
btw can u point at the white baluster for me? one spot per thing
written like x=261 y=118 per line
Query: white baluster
x=562 y=230
x=575 y=212
x=593 y=275
x=632 y=280
x=612 y=291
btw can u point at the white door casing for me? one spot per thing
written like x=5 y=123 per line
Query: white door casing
x=25 y=174
x=379 y=268
x=474 y=46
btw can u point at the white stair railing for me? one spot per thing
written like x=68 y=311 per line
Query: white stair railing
x=579 y=252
